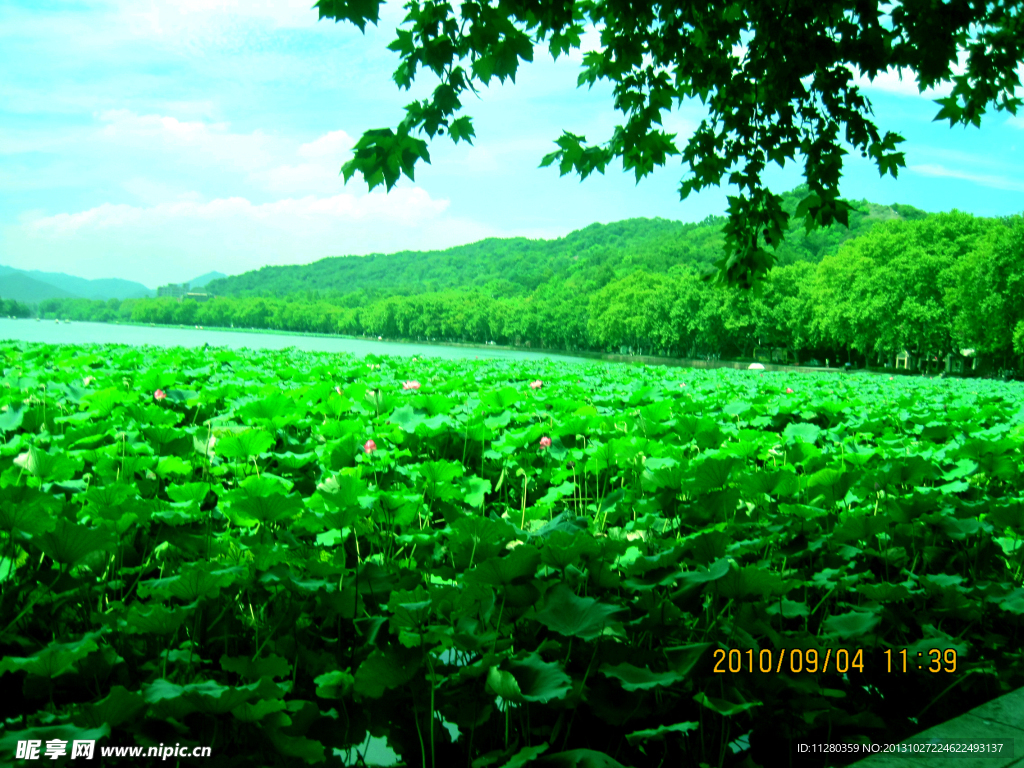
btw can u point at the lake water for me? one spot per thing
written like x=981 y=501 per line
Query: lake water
x=50 y=332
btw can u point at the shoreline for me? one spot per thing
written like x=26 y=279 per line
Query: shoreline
x=670 y=362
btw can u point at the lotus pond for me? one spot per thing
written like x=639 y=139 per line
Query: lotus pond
x=495 y=563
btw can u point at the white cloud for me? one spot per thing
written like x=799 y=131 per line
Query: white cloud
x=195 y=143
x=900 y=83
x=985 y=180
x=168 y=241
x=330 y=146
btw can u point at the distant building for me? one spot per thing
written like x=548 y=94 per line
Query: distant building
x=174 y=290
x=198 y=296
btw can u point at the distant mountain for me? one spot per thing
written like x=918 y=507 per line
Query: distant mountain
x=20 y=287
x=31 y=286
x=202 y=280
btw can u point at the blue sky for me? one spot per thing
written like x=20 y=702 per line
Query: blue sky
x=156 y=141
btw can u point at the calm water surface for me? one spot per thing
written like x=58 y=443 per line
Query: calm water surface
x=50 y=332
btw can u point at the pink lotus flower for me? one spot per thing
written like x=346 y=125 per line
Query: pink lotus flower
x=890 y=378
x=338 y=390
x=682 y=385
x=88 y=380
x=370 y=446
x=160 y=395
x=536 y=384
x=411 y=385
x=545 y=442
x=789 y=391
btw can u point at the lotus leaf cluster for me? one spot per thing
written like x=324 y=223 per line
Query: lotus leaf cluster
x=300 y=558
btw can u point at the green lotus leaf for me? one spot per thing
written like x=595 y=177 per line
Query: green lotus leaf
x=307 y=750
x=633 y=678
x=710 y=474
x=194 y=581
x=54 y=660
x=272 y=409
x=291 y=460
x=659 y=733
x=563 y=522
x=497 y=422
x=504 y=684
x=244 y=445
x=476 y=488
x=268 y=666
x=717 y=570
x=407 y=418
x=172 y=465
x=526 y=755
x=500 y=399
x=261 y=499
x=70 y=543
x=562 y=549
x=940 y=642
x=27 y=509
x=48 y=467
x=724 y=707
x=752 y=580
x=737 y=407
x=103 y=402
x=789 y=609
x=209 y=697
x=580 y=758
x=334 y=685
x=573 y=616
x=798 y=431
x=116 y=708
x=683 y=658
x=384 y=669
x=439 y=473
x=831 y=484
x=11 y=417
x=253 y=712
x=851 y=624
x=188 y=493
x=537 y=680
x=1013 y=602
x=860 y=528
x=520 y=563
x=483 y=536
x=803 y=511
x=180 y=396
x=154 y=619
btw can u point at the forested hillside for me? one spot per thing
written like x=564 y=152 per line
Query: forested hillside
x=517 y=266
x=898 y=279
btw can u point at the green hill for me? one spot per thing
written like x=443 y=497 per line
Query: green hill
x=20 y=287
x=589 y=257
